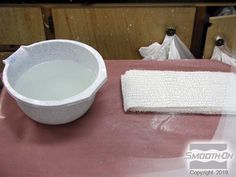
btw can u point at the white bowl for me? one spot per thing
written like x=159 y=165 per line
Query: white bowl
x=54 y=111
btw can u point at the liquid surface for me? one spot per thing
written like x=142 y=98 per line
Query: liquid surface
x=54 y=80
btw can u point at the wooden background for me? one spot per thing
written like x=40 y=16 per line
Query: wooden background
x=118 y=33
x=21 y=25
x=223 y=27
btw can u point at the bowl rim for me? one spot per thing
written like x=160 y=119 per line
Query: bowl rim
x=86 y=94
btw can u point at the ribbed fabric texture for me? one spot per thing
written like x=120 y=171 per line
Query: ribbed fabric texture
x=180 y=92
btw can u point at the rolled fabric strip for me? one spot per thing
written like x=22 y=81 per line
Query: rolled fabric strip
x=199 y=92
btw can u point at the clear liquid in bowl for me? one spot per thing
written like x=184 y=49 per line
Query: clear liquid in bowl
x=54 y=80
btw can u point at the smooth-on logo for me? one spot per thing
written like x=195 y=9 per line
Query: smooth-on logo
x=208 y=156
x=205 y=159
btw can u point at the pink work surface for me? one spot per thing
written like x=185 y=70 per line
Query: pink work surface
x=105 y=142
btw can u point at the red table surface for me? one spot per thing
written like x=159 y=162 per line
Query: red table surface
x=105 y=141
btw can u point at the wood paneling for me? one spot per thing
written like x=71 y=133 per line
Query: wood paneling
x=118 y=32
x=223 y=26
x=21 y=25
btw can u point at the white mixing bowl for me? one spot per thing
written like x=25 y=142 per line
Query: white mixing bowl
x=54 y=111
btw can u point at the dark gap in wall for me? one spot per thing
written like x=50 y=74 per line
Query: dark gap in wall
x=116 y=1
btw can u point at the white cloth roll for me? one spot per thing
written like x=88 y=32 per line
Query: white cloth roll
x=180 y=92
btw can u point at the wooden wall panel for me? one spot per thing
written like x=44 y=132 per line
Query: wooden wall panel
x=21 y=25
x=118 y=32
x=223 y=26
